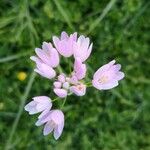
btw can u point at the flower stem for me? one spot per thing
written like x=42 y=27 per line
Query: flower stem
x=89 y=84
x=64 y=102
x=55 y=99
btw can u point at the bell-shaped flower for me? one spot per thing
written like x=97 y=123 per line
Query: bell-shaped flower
x=82 y=48
x=79 y=89
x=45 y=70
x=79 y=69
x=54 y=121
x=107 y=76
x=47 y=55
x=39 y=104
x=64 y=44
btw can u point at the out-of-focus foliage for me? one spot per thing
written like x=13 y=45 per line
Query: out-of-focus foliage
x=118 y=119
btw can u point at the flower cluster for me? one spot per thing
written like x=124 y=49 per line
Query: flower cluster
x=47 y=59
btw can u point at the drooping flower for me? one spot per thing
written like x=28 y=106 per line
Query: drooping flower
x=48 y=55
x=47 y=58
x=54 y=121
x=44 y=70
x=82 y=48
x=79 y=69
x=64 y=44
x=39 y=104
x=79 y=89
x=107 y=76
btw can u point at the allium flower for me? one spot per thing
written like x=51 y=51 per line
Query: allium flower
x=79 y=89
x=54 y=121
x=39 y=104
x=82 y=48
x=47 y=60
x=44 y=70
x=107 y=76
x=64 y=45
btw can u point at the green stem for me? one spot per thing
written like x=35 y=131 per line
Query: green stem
x=64 y=102
x=56 y=99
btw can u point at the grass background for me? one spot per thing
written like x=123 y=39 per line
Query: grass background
x=118 y=119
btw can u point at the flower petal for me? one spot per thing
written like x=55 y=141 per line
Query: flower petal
x=60 y=92
x=48 y=128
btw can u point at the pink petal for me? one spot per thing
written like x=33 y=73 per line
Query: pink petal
x=45 y=71
x=80 y=69
x=66 y=85
x=57 y=84
x=73 y=80
x=79 y=90
x=57 y=116
x=48 y=128
x=105 y=86
x=60 y=92
x=56 y=41
x=41 y=99
x=31 y=108
x=64 y=35
x=61 y=78
x=103 y=69
x=74 y=35
x=58 y=131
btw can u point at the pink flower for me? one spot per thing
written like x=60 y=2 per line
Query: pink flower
x=64 y=45
x=79 y=89
x=39 y=104
x=62 y=93
x=82 y=48
x=107 y=76
x=79 y=69
x=48 y=55
x=54 y=121
x=44 y=70
x=46 y=59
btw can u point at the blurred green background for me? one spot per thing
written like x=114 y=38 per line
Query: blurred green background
x=118 y=119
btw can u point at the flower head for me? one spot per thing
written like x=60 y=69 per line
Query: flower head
x=107 y=76
x=64 y=44
x=82 y=48
x=54 y=121
x=47 y=60
x=39 y=104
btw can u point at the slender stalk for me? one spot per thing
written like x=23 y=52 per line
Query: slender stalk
x=23 y=100
x=64 y=102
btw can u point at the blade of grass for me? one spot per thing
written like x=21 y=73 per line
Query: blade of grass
x=63 y=13
x=102 y=16
x=138 y=14
x=13 y=57
x=23 y=100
